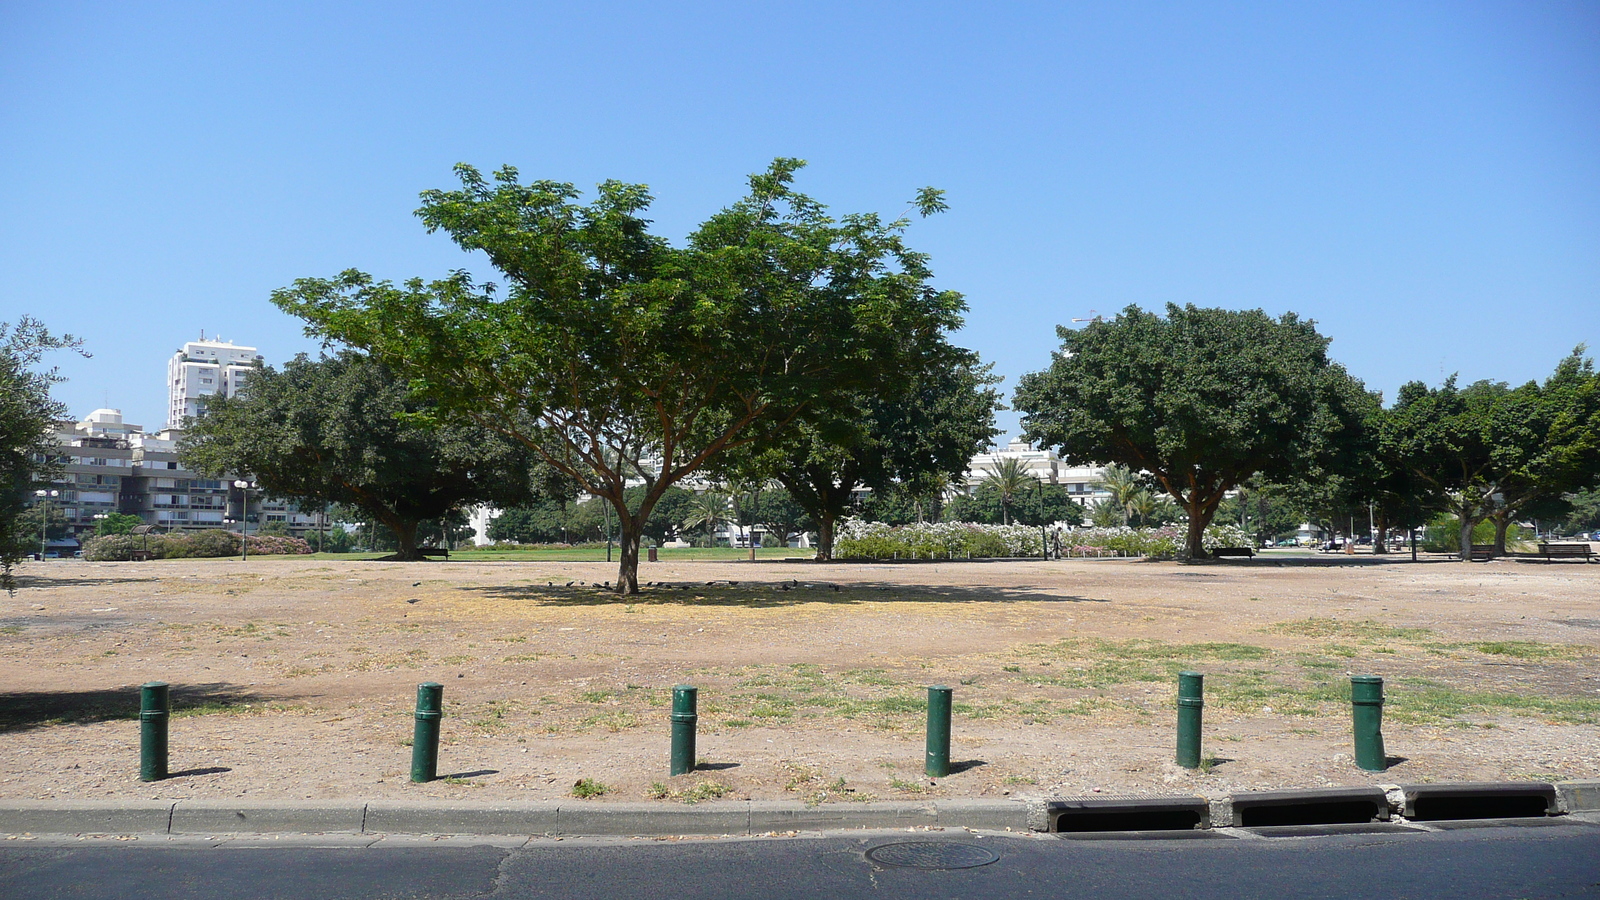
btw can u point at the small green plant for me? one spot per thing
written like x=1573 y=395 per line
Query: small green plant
x=900 y=784
x=1209 y=763
x=657 y=791
x=705 y=790
x=588 y=788
x=1019 y=779
x=1011 y=668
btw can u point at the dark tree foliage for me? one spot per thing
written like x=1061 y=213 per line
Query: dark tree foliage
x=1201 y=399
x=1035 y=505
x=28 y=452
x=343 y=429
x=1499 y=453
x=916 y=431
x=772 y=508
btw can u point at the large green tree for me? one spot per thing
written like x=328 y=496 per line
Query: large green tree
x=617 y=356
x=1499 y=453
x=344 y=429
x=1201 y=399
x=28 y=449
x=918 y=427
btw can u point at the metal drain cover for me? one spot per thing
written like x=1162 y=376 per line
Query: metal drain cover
x=932 y=855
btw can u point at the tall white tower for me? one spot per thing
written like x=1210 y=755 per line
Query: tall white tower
x=203 y=368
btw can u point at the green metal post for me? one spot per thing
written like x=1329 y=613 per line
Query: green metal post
x=937 y=763
x=154 y=708
x=425 y=739
x=685 y=716
x=1366 y=701
x=1191 y=699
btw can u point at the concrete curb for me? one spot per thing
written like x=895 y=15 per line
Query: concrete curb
x=575 y=817
x=566 y=817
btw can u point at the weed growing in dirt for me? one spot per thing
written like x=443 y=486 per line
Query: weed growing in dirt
x=1364 y=630
x=588 y=788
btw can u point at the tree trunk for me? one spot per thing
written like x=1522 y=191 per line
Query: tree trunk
x=632 y=534
x=1195 y=542
x=825 y=536
x=1380 y=537
x=1502 y=523
x=1465 y=537
x=405 y=534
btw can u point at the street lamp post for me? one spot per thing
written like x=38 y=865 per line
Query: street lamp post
x=244 y=519
x=44 y=518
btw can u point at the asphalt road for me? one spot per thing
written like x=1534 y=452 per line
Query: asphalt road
x=1552 y=858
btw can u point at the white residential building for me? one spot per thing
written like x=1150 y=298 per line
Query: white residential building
x=1082 y=482
x=202 y=369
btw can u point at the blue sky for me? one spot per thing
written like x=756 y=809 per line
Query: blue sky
x=1422 y=179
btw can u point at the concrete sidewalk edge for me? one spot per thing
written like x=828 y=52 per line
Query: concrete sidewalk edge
x=560 y=817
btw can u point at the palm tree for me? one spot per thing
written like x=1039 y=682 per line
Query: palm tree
x=1123 y=483
x=709 y=510
x=1141 y=504
x=1008 y=478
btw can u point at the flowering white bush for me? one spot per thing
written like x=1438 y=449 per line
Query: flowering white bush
x=876 y=540
x=858 y=539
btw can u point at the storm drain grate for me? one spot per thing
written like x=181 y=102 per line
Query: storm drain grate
x=932 y=855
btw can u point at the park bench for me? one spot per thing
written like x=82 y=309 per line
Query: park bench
x=1221 y=552
x=426 y=552
x=1566 y=551
x=1482 y=552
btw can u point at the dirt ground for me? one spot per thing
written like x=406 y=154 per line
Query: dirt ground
x=295 y=678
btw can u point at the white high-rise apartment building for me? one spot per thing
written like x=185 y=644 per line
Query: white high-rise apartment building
x=204 y=368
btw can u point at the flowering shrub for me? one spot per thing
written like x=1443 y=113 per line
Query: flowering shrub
x=191 y=545
x=1165 y=541
x=875 y=540
x=857 y=539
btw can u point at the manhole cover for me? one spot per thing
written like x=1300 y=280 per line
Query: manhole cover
x=932 y=855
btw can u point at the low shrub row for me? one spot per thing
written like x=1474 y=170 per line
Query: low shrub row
x=857 y=539
x=187 y=545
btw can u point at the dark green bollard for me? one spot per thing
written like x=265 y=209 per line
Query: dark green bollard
x=1366 y=701
x=154 y=710
x=937 y=764
x=685 y=716
x=1191 y=699
x=425 y=740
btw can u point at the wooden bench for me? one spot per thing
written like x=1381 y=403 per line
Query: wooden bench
x=1566 y=551
x=1221 y=552
x=426 y=552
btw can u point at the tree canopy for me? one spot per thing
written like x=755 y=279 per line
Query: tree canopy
x=1497 y=453
x=343 y=429
x=616 y=356
x=1201 y=399
x=920 y=424
x=28 y=451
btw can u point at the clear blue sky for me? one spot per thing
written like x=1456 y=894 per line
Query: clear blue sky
x=1423 y=179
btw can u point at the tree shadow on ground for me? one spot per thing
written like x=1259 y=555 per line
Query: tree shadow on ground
x=27 y=710
x=27 y=582
x=759 y=595
x=1308 y=562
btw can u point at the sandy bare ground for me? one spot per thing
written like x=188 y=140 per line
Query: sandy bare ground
x=295 y=678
